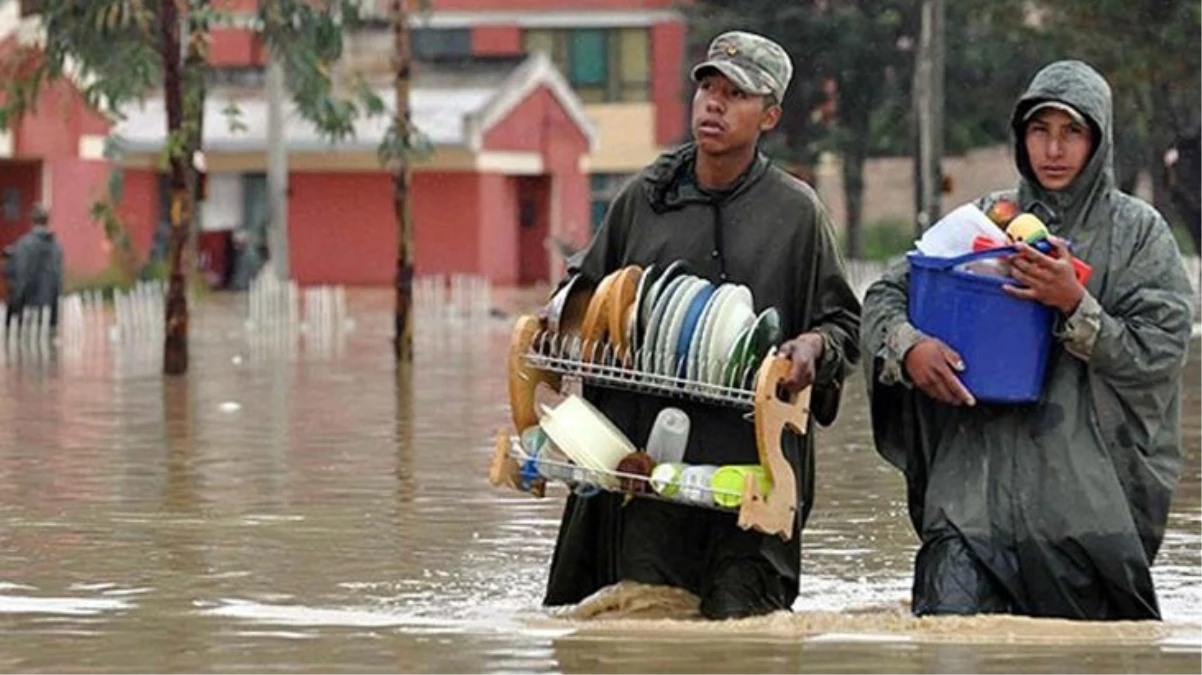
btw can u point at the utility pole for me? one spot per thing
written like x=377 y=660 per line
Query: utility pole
x=277 y=170
x=928 y=116
x=402 y=173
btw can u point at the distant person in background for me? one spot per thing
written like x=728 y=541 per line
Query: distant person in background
x=34 y=270
x=1183 y=167
x=248 y=259
x=1055 y=508
x=6 y=259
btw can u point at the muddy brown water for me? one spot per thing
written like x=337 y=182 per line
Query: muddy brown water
x=300 y=506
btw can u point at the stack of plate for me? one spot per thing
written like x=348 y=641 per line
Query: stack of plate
x=687 y=327
x=678 y=324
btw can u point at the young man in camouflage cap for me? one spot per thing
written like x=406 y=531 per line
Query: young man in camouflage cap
x=719 y=205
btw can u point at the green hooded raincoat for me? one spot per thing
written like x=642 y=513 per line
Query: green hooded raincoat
x=768 y=232
x=1055 y=508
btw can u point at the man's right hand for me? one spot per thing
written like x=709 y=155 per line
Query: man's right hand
x=932 y=367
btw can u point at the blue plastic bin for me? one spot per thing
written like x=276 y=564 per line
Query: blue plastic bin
x=1004 y=341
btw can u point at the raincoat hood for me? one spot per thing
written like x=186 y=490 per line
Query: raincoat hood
x=1080 y=86
x=670 y=183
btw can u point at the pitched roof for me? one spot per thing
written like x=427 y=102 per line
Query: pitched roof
x=453 y=104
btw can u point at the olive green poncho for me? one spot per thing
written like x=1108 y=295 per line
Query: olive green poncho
x=1056 y=508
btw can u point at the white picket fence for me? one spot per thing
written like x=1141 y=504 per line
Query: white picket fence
x=455 y=297
x=284 y=313
x=137 y=316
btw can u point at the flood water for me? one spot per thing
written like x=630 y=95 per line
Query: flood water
x=307 y=508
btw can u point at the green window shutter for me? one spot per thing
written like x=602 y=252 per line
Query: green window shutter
x=588 y=58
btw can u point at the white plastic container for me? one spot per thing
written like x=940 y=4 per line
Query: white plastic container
x=669 y=436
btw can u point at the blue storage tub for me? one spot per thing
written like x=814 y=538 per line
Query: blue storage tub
x=1004 y=341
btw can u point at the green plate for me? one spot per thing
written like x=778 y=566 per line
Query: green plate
x=734 y=358
x=765 y=333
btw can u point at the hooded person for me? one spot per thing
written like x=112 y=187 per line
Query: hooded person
x=1055 y=508
x=722 y=208
x=35 y=271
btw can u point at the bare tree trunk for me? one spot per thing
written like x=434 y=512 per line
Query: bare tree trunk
x=928 y=117
x=175 y=344
x=183 y=85
x=1130 y=146
x=853 y=196
x=402 y=67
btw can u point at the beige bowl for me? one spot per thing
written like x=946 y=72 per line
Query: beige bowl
x=585 y=435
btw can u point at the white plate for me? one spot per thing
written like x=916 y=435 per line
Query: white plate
x=733 y=319
x=640 y=296
x=692 y=370
x=730 y=295
x=671 y=272
x=667 y=321
x=655 y=322
x=659 y=322
x=678 y=311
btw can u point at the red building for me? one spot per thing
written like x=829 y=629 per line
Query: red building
x=52 y=157
x=509 y=140
x=537 y=111
x=625 y=59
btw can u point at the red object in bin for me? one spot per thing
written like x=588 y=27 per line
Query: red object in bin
x=1083 y=270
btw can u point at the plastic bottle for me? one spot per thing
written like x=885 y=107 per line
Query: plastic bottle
x=669 y=436
x=665 y=478
x=696 y=484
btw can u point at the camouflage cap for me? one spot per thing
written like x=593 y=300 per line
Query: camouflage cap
x=753 y=62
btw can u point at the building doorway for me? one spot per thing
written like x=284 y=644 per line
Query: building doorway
x=534 y=229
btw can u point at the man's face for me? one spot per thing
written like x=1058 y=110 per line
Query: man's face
x=726 y=118
x=1058 y=148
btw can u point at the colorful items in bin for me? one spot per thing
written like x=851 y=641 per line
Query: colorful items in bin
x=1004 y=341
x=1002 y=211
x=953 y=234
x=1025 y=227
x=1035 y=235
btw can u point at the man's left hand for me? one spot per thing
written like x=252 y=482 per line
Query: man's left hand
x=804 y=351
x=1050 y=279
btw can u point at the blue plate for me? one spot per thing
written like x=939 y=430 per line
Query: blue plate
x=690 y=325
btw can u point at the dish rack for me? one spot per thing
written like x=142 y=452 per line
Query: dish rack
x=541 y=358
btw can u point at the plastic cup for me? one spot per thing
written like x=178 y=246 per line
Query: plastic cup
x=669 y=436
